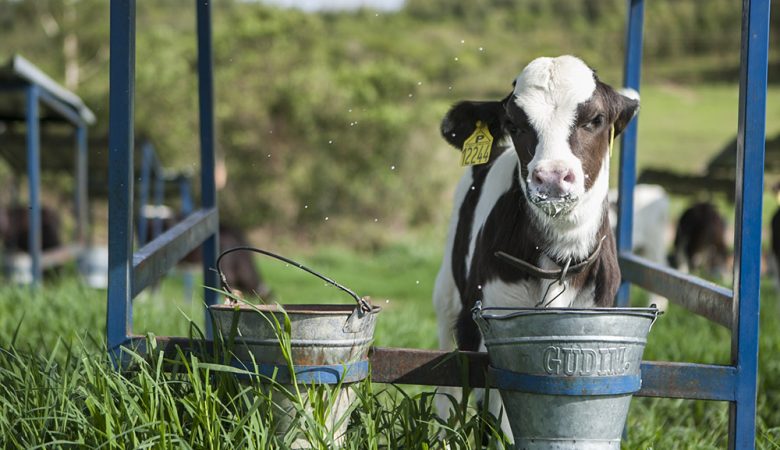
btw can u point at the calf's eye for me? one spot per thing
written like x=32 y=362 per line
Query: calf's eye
x=594 y=123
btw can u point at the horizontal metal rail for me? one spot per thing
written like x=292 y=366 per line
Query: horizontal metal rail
x=61 y=108
x=440 y=368
x=153 y=260
x=687 y=380
x=694 y=294
x=60 y=255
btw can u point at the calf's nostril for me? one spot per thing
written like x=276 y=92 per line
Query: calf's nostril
x=569 y=178
x=538 y=178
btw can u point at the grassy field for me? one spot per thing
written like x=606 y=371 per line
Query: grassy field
x=62 y=328
x=57 y=389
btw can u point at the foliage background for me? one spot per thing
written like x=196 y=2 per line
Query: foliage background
x=328 y=122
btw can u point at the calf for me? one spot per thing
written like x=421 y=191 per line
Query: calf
x=650 y=238
x=774 y=260
x=239 y=267
x=541 y=196
x=15 y=235
x=700 y=241
x=15 y=228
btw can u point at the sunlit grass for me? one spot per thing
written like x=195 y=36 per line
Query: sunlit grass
x=58 y=385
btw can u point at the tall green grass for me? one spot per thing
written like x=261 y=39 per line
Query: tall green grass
x=58 y=389
x=71 y=396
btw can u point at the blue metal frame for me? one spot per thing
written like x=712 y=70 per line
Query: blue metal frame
x=130 y=273
x=736 y=383
x=208 y=188
x=34 y=179
x=82 y=212
x=119 y=315
x=153 y=173
x=39 y=90
x=627 y=177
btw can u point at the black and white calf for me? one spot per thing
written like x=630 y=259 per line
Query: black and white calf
x=541 y=197
x=700 y=241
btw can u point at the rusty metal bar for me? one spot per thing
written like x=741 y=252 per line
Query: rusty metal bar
x=154 y=259
x=439 y=368
x=428 y=367
x=696 y=295
x=686 y=380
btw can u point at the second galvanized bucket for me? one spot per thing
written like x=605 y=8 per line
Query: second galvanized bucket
x=566 y=376
x=328 y=344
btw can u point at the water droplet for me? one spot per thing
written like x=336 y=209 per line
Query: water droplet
x=392 y=167
x=376 y=220
x=349 y=110
x=473 y=187
x=537 y=247
x=417 y=282
x=462 y=41
x=456 y=58
x=454 y=134
x=270 y=131
x=479 y=287
x=330 y=142
x=419 y=83
x=305 y=206
x=481 y=49
x=326 y=217
x=387 y=301
x=269 y=155
x=411 y=95
x=449 y=88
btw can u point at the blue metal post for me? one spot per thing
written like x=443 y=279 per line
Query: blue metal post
x=119 y=317
x=627 y=175
x=81 y=184
x=159 y=194
x=207 y=185
x=747 y=226
x=143 y=192
x=34 y=181
x=185 y=190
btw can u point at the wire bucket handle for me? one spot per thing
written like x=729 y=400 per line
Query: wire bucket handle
x=362 y=302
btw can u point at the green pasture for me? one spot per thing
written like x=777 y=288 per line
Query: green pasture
x=60 y=372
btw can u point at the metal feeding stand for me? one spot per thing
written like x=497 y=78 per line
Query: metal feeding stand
x=736 y=309
x=32 y=97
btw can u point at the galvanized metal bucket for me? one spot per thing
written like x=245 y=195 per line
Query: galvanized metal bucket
x=328 y=344
x=566 y=376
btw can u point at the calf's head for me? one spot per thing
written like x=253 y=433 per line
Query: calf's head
x=561 y=120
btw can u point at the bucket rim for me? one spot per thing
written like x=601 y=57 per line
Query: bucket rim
x=509 y=312
x=303 y=308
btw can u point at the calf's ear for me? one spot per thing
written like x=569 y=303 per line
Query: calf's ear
x=461 y=121
x=626 y=103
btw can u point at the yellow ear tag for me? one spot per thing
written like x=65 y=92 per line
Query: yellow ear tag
x=476 y=149
x=611 y=139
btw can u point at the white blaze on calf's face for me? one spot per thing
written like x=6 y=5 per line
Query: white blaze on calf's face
x=548 y=90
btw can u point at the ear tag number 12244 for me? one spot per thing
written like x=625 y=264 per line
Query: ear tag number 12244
x=476 y=149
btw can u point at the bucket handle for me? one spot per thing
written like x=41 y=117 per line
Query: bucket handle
x=362 y=303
